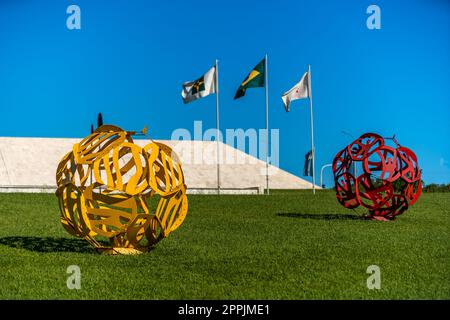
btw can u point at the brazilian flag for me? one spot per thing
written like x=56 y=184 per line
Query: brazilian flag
x=254 y=79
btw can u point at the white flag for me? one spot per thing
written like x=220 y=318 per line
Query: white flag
x=203 y=86
x=299 y=91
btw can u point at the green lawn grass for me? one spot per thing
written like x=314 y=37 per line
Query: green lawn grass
x=289 y=245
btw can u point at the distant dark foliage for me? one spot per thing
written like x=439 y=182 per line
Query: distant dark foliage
x=433 y=187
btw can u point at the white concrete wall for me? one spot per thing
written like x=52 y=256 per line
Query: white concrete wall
x=33 y=162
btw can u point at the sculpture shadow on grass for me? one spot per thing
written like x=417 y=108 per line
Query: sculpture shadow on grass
x=322 y=216
x=48 y=244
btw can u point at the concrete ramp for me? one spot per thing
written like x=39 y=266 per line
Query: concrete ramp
x=29 y=164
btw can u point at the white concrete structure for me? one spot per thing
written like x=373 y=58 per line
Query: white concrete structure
x=29 y=164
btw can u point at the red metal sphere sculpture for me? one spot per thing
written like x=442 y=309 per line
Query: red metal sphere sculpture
x=390 y=181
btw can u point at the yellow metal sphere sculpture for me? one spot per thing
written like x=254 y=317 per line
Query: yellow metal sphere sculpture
x=111 y=188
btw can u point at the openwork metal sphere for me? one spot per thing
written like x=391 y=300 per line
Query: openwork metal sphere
x=390 y=181
x=120 y=197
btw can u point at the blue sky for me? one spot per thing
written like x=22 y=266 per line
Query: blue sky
x=130 y=58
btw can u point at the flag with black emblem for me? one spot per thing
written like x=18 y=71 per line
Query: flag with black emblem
x=203 y=86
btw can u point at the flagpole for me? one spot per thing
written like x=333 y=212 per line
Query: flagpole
x=218 y=125
x=312 y=129
x=267 y=124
